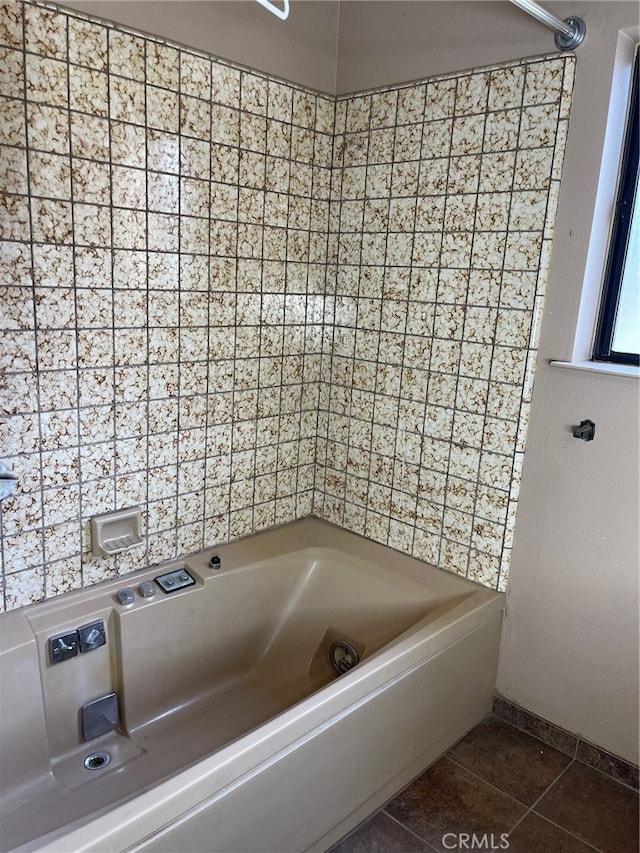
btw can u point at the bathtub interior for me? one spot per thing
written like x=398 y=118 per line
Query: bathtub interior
x=194 y=670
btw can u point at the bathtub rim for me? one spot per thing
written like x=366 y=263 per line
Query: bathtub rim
x=170 y=798
x=297 y=534
x=217 y=774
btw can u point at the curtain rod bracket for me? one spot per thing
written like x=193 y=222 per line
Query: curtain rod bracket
x=569 y=33
x=575 y=39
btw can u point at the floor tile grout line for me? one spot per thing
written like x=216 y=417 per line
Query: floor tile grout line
x=528 y=809
x=491 y=785
x=574 y=755
x=406 y=828
x=560 y=827
x=531 y=808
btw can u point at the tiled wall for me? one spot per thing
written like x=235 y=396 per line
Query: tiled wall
x=163 y=269
x=217 y=308
x=443 y=235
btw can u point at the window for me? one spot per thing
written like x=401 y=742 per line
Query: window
x=618 y=330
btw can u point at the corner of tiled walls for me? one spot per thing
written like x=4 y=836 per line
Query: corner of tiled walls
x=222 y=306
x=164 y=248
x=442 y=223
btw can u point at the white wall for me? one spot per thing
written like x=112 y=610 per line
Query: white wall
x=381 y=43
x=303 y=49
x=570 y=648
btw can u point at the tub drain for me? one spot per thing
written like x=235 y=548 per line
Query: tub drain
x=97 y=760
x=343 y=656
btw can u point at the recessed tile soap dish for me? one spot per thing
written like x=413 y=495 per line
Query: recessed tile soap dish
x=113 y=532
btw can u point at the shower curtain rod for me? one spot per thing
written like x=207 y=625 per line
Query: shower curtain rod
x=569 y=33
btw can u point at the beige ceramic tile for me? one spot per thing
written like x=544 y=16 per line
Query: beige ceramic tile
x=195 y=118
x=163 y=151
x=49 y=175
x=128 y=144
x=88 y=91
x=91 y=182
x=13 y=170
x=225 y=84
x=45 y=32
x=538 y=126
x=53 y=265
x=46 y=81
x=12 y=73
x=23 y=587
x=163 y=111
x=195 y=75
x=471 y=93
x=162 y=65
x=543 y=81
x=11 y=23
x=506 y=87
x=51 y=221
x=91 y=225
x=440 y=99
x=127 y=100
x=89 y=137
x=87 y=44
x=12 y=127
x=126 y=55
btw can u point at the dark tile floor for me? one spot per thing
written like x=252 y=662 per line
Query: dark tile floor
x=501 y=789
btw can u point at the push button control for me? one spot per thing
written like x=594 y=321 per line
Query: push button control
x=147 y=589
x=173 y=581
x=125 y=596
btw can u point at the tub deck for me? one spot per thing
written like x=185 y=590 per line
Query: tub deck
x=213 y=680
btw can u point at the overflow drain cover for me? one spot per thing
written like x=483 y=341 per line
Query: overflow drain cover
x=343 y=656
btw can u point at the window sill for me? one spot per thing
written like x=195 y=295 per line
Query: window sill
x=600 y=367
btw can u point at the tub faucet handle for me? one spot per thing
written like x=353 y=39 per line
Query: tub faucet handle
x=63 y=647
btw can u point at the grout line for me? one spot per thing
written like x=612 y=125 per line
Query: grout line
x=557 y=826
x=204 y=517
x=486 y=782
x=78 y=389
x=406 y=828
x=531 y=808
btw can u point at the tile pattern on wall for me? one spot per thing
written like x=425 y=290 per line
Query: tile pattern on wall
x=442 y=216
x=235 y=302
x=164 y=246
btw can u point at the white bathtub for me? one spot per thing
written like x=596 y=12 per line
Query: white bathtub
x=235 y=732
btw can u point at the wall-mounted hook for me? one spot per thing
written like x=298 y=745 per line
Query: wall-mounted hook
x=283 y=13
x=586 y=431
